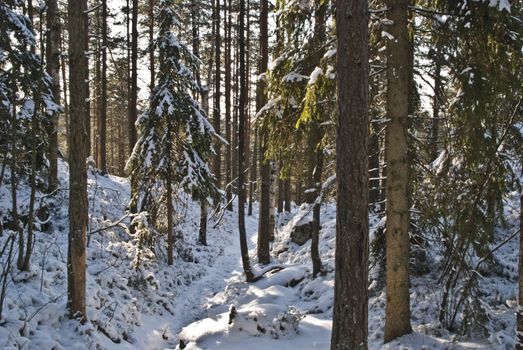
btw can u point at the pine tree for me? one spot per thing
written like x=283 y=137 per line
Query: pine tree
x=349 y=327
x=78 y=76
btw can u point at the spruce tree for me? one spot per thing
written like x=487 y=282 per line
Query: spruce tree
x=176 y=137
x=27 y=107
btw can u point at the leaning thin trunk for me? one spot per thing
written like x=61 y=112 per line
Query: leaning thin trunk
x=249 y=276
x=315 y=169
x=14 y=181
x=316 y=223
x=29 y=248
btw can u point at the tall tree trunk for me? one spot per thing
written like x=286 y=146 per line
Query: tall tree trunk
x=265 y=168
x=287 y=195
x=14 y=174
x=397 y=315
x=228 y=156
x=519 y=330
x=247 y=160
x=202 y=233
x=132 y=111
x=78 y=75
x=316 y=223
x=314 y=173
x=314 y=149
x=253 y=172
x=349 y=326
x=133 y=108
x=102 y=121
x=66 y=102
x=170 y=228
x=120 y=124
x=435 y=111
x=151 y=42
x=249 y=276
x=195 y=17
x=53 y=69
x=234 y=136
x=30 y=221
x=374 y=164
x=97 y=88
x=87 y=119
x=299 y=190
x=272 y=200
x=280 y=187
x=128 y=71
x=217 y=161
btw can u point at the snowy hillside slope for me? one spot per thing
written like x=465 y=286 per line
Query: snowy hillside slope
x=202 y=302
x=290 y=310
x=127 y=309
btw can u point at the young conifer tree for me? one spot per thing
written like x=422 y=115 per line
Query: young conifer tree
x=176 y=137
x=27 y=106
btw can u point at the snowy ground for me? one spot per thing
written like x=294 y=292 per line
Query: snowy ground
x=290 y=310
x=202 y=301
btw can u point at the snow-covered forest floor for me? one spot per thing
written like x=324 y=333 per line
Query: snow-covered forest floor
x=202 y=302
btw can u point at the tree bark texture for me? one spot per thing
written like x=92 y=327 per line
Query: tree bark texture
x=202 y=233
x=249 y=276
x=133 y=99
x=265 y=168
x=53 y=69
x=78 y=135
x=397 y=314
x=170 y=228
x=519 y=329
x=217 y=160
x=228 y=131
x=102 y=121
x=349 y=327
